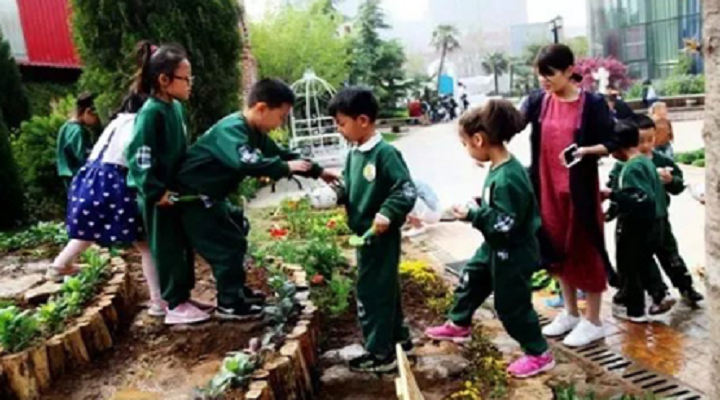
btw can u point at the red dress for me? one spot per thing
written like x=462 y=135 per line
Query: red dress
x=582 y=264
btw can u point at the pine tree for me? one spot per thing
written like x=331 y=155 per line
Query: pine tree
x=106 y=33
x=13 y=99
x=11 y=200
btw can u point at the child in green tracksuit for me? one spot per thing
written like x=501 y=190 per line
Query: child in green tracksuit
x=158 y=144
x=236 y=148
x=379 y=194
x=74 y=140
x=672 y=178
x=641 y=208
x=508 y=217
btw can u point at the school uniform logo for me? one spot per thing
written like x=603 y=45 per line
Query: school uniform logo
x=143 y=158
x=248 y=155
x=504 y=223
x=370 y=172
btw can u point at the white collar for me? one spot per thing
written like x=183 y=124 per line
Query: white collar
x=370 y=144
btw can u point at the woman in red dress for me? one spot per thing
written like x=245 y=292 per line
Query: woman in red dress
x=572 y=236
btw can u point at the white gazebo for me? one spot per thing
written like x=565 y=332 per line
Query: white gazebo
x=314 y=133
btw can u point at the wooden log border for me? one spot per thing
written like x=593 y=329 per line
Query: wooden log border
x=28 y=373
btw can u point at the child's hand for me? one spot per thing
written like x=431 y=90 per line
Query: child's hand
x=461 y=212
x=330 y=176
x=299 y=166
x=165 y=201
x=381 y=224
x=665 y=175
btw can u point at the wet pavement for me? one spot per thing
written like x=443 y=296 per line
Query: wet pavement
x=676 y=347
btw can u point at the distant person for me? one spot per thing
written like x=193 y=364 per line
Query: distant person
x=649 y=96
x=664 y=135
x=462 y=91
x=74 y=140
x=415 y=110
x=509 y=219
x=619 y=108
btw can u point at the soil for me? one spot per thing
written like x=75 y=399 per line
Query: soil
x=153 y=359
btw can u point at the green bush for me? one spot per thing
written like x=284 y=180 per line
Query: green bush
x=677 y=85
x=18 y=329
x=13 y=101
x=699 y=163
x=34 y=150
x=635 y=91
x=11 y=200
x=43 y=233
x=106 y=33
x=690 y=157
x=43 y=95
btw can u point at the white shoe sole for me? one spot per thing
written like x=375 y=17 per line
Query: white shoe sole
x=554 y=335
x=169 y=320
x=156 y=313
x=534 y=373
x=458 y=340
x=241 y=318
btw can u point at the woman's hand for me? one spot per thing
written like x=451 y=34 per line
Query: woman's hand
x=461 y=212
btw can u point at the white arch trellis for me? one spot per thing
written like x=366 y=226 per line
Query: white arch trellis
x=314 y=133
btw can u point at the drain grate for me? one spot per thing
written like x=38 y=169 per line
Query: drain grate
x=629 y=371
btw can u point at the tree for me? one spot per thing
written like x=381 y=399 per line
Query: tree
x=497 y=64
x=619 y=77
x=579 y=46
x=711 y=11
x=106 y=33
x=289 y=42
x=11 y=201
x=14 y=103
x=445 y=40
x=389 y=78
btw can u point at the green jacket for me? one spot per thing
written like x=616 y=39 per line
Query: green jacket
x=73 y=148
x=639 y=193
x=508 y=215
x=158 y=145
x=377 y=181
x=229 y=152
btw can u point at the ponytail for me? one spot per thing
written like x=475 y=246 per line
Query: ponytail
x=142 y=83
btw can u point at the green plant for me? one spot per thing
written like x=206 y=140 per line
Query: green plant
x=13 y=99
x=38 y=234
x=487 y=372
x=468 y=392
x=690 y=157
x=635 y=91
x=676 y=85
x=334 y=298
x=51 y=316
x=34 y=150
x=106 y=33
x=322 y=257
x=11 y=201
x=236 y=371
x=43 y=95
x=18 y=329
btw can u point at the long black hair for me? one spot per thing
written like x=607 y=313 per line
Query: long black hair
x=154 y=61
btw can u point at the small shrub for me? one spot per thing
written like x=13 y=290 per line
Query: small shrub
x=51 y=316
x=690 y=157
x=334 y=298
x=18 y=329
x=13 y=99
x=42 y=233
x=699 y=163
x=487 y=371
x=322 y=257
x=11 y=201
x=43 y=95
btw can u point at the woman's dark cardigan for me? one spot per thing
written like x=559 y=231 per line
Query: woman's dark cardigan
x=596 y=128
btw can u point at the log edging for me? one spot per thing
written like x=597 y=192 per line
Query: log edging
x=28 y=373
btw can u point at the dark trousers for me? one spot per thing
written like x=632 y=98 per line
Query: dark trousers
x=509 y=277
x=669 y=257
x=636 y=243
x=218 y=234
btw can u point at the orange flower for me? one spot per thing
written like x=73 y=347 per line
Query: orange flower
x=318 y=280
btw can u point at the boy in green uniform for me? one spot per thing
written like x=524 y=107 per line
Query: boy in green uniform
x=235 y=148
x=155 y=151
x=641 y=207
x=379 y=194
x=672 y=178
x=74 y=140
x=508 y=217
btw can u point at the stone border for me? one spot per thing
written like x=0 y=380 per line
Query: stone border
x=28 y=373
x=290 y=372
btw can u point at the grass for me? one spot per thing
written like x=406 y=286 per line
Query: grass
x=390 y=137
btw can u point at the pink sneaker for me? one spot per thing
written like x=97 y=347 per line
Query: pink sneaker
x=185 y=313
x=528 y=365
x=449 y=331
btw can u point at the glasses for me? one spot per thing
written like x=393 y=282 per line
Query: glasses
x=188 y=79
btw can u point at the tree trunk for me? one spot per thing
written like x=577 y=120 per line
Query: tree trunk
x=497 y=84
x=442 y=65
x=712 y=181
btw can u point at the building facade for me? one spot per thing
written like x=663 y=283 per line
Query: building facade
x=647 y=35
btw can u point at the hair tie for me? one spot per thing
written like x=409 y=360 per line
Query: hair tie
x=153 y=49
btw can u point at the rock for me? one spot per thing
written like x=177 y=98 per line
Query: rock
x=484 y=314
x=434 y=348
x=583 y=389
x=566 y=375
x=531 y=389
x=441 y=366
x=343 y=355
x=506 y=344
x=41 y=293
x=37 y=266
x=302 y=296
x=14 y=288
x=341 y=375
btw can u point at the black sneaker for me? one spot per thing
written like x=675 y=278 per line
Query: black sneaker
x=371 y=363
x=242 y=313
x=662 y=305
x=253 y=297
x=691 y=296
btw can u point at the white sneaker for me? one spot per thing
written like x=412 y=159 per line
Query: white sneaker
x=561 y=325
x=414 y=232
x=584 y=333
x=157 y=308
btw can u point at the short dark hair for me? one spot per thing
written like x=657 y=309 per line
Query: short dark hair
x=354 y=102
x=273 y=92
x=85 y=101
x=554 y=57
x=626 y=134
x=643 y=122
x=498 y=120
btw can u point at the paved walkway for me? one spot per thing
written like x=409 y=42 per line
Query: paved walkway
x=436 y=156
